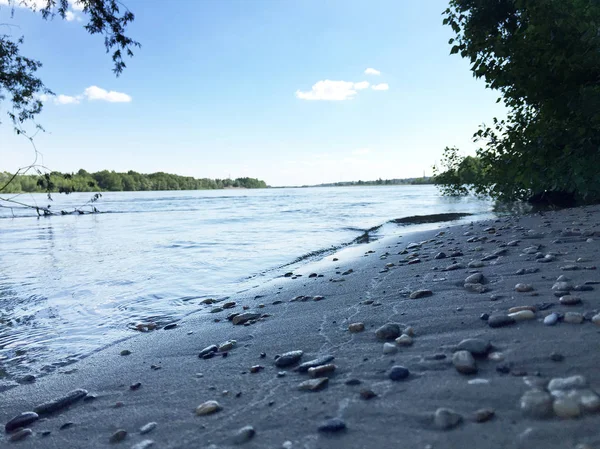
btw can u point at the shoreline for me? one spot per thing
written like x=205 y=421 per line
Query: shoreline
x=375 y=295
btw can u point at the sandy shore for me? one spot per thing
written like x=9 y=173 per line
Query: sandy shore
x=379 y=395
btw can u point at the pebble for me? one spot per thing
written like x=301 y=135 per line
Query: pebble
x=332 y=425
x=464 y=362
x=356 y=327
x=288 y=359
x=208 y=408
x=353 y=382
x=125 y=352
x=483 y=415
x=243 y=318
x=570 y=268
x=596 y=319
x=323 y=370
x=573 y=318
x=476 y=346
x=21 y=420
x=398 y=372
x=475 y=288
x=537 y=404
x=500 y=320
x=557 y=357
x=523 y=288
x=476 y=264
x=551 y=319
x=227 y=346
x=420 y=294
x=390 y=348
x=20 y=434
x=404 y=340
x=455 y=266
x=521 y=308
x=476 y=278
x=60 y=403
x=567 y=383
x=566 y=408
x=314 y=384
x=569 y=300
x=446 y=419
x=522 y=315
x=118 y=436
x=170 y=326
x=367 y=394
x=389 y=331
x=208 y=350
x=547 y=258
x=243 y=435
x=304 y=367
x=147 y=428
x=145 y=444
x=135 y=386
x=440 y=255
x=562 y=286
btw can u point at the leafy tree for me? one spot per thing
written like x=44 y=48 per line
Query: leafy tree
x=543 y=57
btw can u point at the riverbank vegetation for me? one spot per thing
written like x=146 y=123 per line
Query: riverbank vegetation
x=110 y=181
x=543 y=57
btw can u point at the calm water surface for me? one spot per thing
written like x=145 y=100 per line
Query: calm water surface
x=72 y=284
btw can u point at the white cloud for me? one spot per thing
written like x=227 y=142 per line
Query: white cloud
x=329 y=90
x=76 y=5
x=70 y=16
x=382 y=86
x=67 y=99
x=371 y=71
x=93 y=93
x=362 y=85
x=362 y=151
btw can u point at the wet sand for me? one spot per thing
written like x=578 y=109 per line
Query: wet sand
x=365 y=403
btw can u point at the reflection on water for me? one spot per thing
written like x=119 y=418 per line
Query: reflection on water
x=70 y=285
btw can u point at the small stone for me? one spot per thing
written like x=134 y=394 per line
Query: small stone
x=570 y=268
x=314 y=384
x=390 y=348
x=440 y=255
x=567 y=383
x=66 y=425
x=147 y=428
x=208 y=408
x=520 y=309
x=353 y=382
x=476 y=278
x=569 y=300
x=145 y=444
x=170 y=326
x=496 y=356
x=118 y=436
x=256 y=368
x=476 y=346
x=476 y=264
x=557 y=357
x=522 y=315
x=596 y=319
x=446 y=419
x=367 y=394
x=404 y=340
x=573 y=318
x=537 y=404
x=227 y=346
x=551 y=319
x=60 y=403
x=243 y=318
x=125 y=352
x=21 y=434
x=454 y=266
x=464 y=362
x=321 y=371
x=420 y=294
x=304 y=367
x=288 y=359
x=356 y=327
x=500 y=320
x=332 y=426
x=21 y=420
x=483 y=415
x=562 y=286
x=566 y=407
x=389 y=331
x=208 y=350
x=243 y=435
x=476 y=288
x=217 y=310
x=135 y=386
x=523 y=288
x=398 y=373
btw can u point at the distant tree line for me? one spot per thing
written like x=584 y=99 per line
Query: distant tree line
x=111 y=181
x=382 y=182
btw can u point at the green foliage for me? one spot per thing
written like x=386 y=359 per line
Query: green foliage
x=543 y=56
x=111 y=181
x=19 y=83
x=381 y=182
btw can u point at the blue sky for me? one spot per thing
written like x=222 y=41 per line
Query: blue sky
x=273 y=89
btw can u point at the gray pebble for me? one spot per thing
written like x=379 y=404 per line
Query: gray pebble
x=21 y=420
x=446 y=419
x=398 y=373
x=389 y=331
x=500 y=320
x=20 y=434
x=244 y=434
x=476 y=346
x=551 y=319
x=332 y=425
x=288 y=359
x=147 y=428
x=304 y=367
x=464 y=362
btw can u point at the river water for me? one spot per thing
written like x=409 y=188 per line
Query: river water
x=70 y=285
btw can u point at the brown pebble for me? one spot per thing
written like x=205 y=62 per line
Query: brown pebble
x=119 y=435
x=20 y=434
x=483 y=415
x=367 y=394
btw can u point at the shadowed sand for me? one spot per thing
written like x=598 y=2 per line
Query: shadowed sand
x=524 y=355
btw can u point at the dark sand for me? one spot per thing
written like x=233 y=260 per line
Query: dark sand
x=400 y=416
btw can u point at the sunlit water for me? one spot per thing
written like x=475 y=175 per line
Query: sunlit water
x=72 y=284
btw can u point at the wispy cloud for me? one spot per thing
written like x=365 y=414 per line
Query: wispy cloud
x=97 y=93
x=92 y=93
x=381 y=86
x=362 y=85
x=329 y=90
x=36 y=5
x=372 y=71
